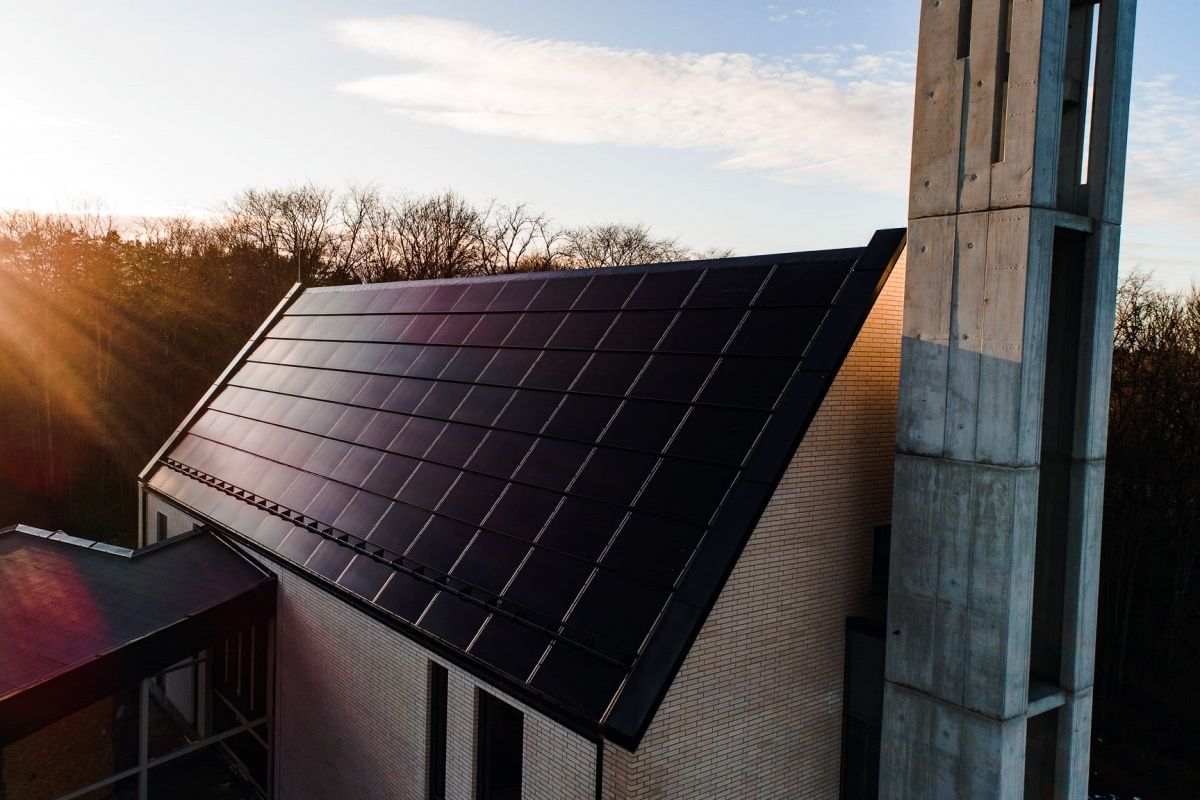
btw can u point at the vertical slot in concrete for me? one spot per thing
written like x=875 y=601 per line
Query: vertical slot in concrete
x=1041 y=734
x=1058 y=427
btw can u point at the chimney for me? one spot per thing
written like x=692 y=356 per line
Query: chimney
x=1019 y=136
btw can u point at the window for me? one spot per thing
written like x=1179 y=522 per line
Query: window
x=437 y=732
x=498 y=750
x=160 y=522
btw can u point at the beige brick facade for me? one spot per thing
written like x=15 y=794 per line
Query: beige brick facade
x=756 y=710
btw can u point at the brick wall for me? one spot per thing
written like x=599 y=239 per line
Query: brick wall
x=177 y=521
x=351 y=712
x=755 y=711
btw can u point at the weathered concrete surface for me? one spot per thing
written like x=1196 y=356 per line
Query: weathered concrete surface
x=1002 y=418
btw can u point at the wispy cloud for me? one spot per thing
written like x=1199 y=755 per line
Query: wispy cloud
x=812 y=118
x=1162 y=187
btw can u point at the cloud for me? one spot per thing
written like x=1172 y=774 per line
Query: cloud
x=813 y=118
x=1162 y=188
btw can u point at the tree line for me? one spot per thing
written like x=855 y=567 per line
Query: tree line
x=110 y=331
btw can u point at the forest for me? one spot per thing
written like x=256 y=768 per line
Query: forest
x=110 y=332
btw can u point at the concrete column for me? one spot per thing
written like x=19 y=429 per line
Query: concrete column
x=1005 y=364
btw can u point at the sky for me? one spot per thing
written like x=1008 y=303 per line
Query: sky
x=760 y=127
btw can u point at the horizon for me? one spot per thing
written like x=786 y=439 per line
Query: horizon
x=763 y=128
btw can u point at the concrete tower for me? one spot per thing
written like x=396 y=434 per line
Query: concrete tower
x=1019 y=142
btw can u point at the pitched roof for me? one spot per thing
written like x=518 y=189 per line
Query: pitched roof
x=548 y=475
x=79 y=619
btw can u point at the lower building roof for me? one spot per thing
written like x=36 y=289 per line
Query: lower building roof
x=81 y=619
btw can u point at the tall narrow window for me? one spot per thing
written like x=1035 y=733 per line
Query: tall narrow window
x=498 y=750
x=437 y=731
x=160 y=523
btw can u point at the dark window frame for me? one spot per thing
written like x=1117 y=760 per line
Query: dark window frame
x=498 y=727
x=438 y=699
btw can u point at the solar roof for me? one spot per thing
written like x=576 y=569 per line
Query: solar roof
x=78 y=619
x=549 y=474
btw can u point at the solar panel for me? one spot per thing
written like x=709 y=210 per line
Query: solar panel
x=526 y=469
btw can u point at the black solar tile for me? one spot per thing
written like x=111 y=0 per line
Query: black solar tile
x=534 y=329
x=407 y=396
x=455 y=328
x=804 y=284
x=508 y=367
x=301 y=491
x=431 y=362
x=381 y=430
x=727 y=287
x=582 y=527
x=652 y=548
x=686 y=490
x=582 y=417
x=718 y=434
x=490 y=562
x=644 y=425
x=614 y=476
x=522 y=511
x=666 y=288
x=362 y=513
x=298 y=545
x=777 y=331
x=351 y=424
x=329 y=503
x=582 y=330
x=406 y=596
x=453 y=619
x=443 y=298
x=674 y=377
x=637 y=330
x=559 y=294
x=491 y=330
x=702 y=330
x=609 y=373
x=456 y=445
x=515 y=295
x=511 y=646
x=374 y=391
x=500 y=453
x=582 y=682
x=618 y=611
x=482 y=405
x=441 y=543
x=422 y=328
x=390 y=474
x=468 y=363
x=329 y=559
x=398 y=528
x=416 y=436
x=555 y=369
x=472 y=497
x=548 y=583
x=365 y=576
x=477 y=297
x=552 y=463
x=747 y=382
x=356 y=466
x=608 y=291
x=442 y=400
x=426 y=486
x=528 y=411
x=399 y=358
x=411 y=298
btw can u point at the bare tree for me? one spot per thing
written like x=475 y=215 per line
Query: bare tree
x=618 y=245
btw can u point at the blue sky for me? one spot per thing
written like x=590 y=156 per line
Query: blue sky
x=756 y=126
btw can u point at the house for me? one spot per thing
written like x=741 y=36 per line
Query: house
x=582 y=534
